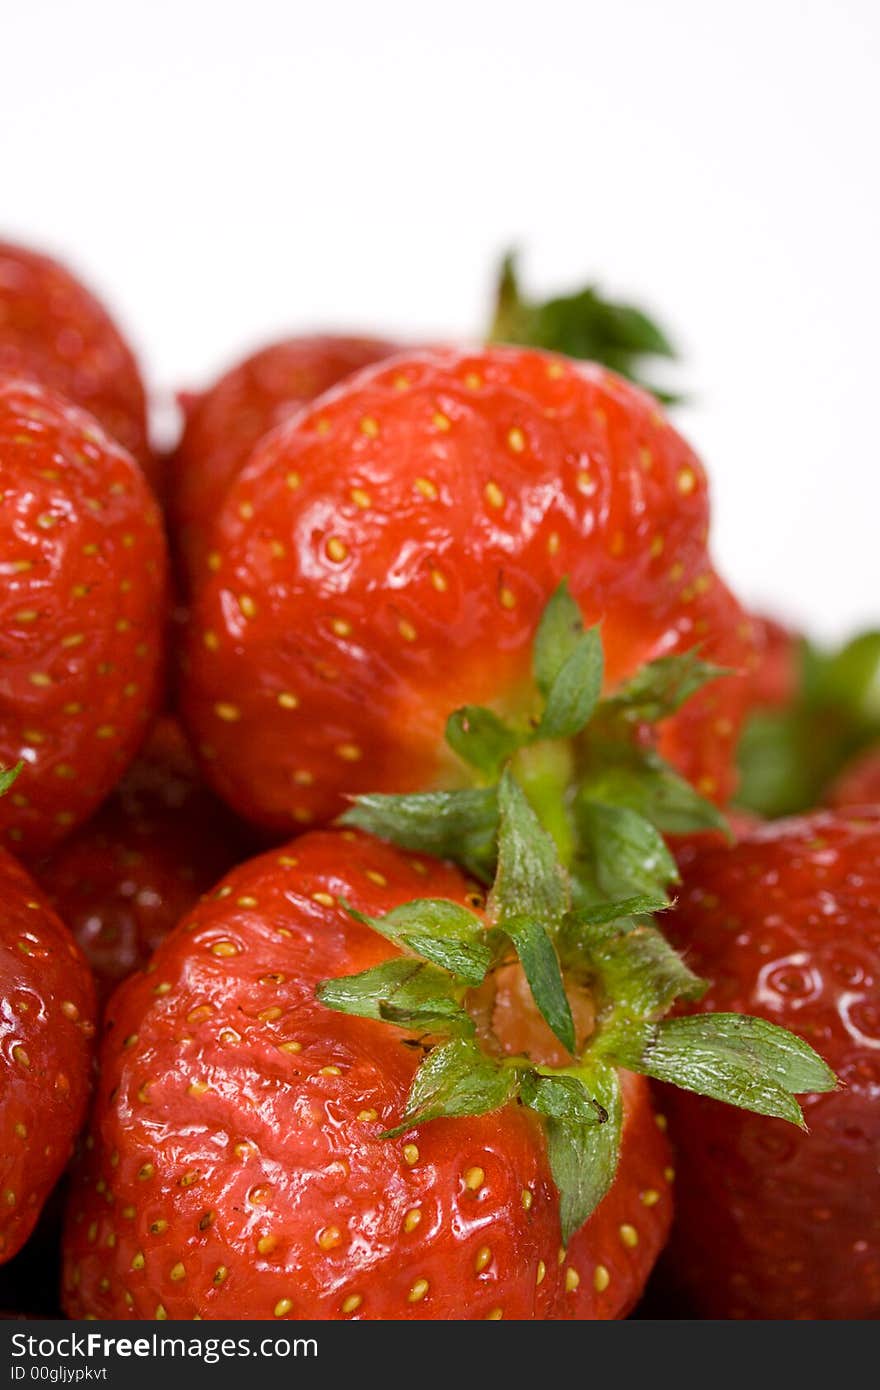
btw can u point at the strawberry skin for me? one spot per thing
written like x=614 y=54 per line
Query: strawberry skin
x=772 y=1223
x=382 y=542
x=53 y=330
x=237 y=1133
x=82 y=608
x=48 y=1027
x=122 y=881
x=859 y=782
x=223 y=425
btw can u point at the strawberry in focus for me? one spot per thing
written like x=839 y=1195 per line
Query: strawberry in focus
x=772 y=1223
x=53 y=330
x=384 y=542
x=223 y=425
x=48 y=1027
x=82 y=610
x=122 y=881
x=238 y=1126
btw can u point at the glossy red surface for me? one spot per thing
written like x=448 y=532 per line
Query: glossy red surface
x=773 y=1223
x=237 y=1168
x=82 y=613
x=380 y=545
x=53 y=330
x=224 y=423
x=125 y=879
x=47 y=1023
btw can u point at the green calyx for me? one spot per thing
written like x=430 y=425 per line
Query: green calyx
x=789 y=757
x=584 y=324
x=8 y=776
x=566 y=828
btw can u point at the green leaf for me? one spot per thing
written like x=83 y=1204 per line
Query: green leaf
x=456 y=1079
x=583 y=1157
x=559 y=632
x=643 y=782
x=574 y=694
x=584 y=324
x=402 y=991
x=643 y=974
x=480 y=738
x=8 y=776
x=460 y=825
x=627 y=856
x=731 y=1057
x=528 y=901
x=660 y=688
x=602 y=914
x=560 y=1097
x=440 y=931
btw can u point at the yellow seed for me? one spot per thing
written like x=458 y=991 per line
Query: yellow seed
x=211 y=640
x=247 y=902
x=370 y=427
x=330 y=1237
x=341 y=627
x=106 y=731
x=495 y=1316
x=406 y=630
x=293 y=481
x=158 y=1227
x=410 y=1154
x=178 y=1272
x=270 y=1015
x=661 y=1122
x=146 y=1172
x=360 y=498
x=540 y=1272
x=39 y=678
x=669 y=1174
x=601 y=1278
x=527 y=1199
x=26 y=615
x=438 y=579
x=220 y=1274
x=517 y=440
x=352 y=1303
x=227 y=712
x=325 y=899
x=224 y=948
x=245 y=510
x=483 y=1258
x=287 y=701
x=197 y=1088
x=650 y=1197
x=138 y=1260
x=474 y=1179
x=247 y=606
x=412 y=1218
x=507 y=598
x=442 y=422
x=493 y=495
x=291 y=1047
x=349 y=752
x=473 y=381
x=282 y=1307
x=266 y=1244
x=20 y=1056
x=330 y=1071
x=585 y=483
x=572 y=1280
x=687 y=481
x=418 y=1291
x=629 y=1235
x=336 y=549
x=427 y=489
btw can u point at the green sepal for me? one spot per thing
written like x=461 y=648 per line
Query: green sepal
x=402 y=991
x=626 y=855
x=529 y=900
x=642 y=781
x=8 y=776
x=456 y=1079
x=743 y=1061
x=441 y=931
x=567 y=662
x=584 y=324
x=642 y=974
x=584 y=1157
x=660 y=688
x=560 y=1097
x=480 y=738
x=460 y=825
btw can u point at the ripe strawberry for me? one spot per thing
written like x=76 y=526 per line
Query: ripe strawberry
x=48 y=1025
x=224 y=423
x=238 y=1121
x=859 y=782
x=771 y=1223
x=126 y=878
x=54 y=331
x=385 y=556
x=777 y=674
x=82 y=558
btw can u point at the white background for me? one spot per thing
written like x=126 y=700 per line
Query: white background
x=224 y=172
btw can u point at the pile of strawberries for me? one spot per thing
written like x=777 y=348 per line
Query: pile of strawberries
x=376 y=942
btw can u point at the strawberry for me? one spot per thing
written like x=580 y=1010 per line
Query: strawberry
x=223 y=424
x=82 y=558
x=330 y=1095
x=53 y=330
x=786 y=925
x=48 y=1026
x=814 y=711
x=386 y=539
x=859 y=782
x=122 y=881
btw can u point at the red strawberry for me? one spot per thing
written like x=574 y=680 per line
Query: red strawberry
x=48 y=1025
x=777 y=672
x=772 y=1223
x=53 y=330
x=859 y=782
x=385 y=556
x=224 y=423
x=82 y=609
x=126 y=878
x=237 y=1128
